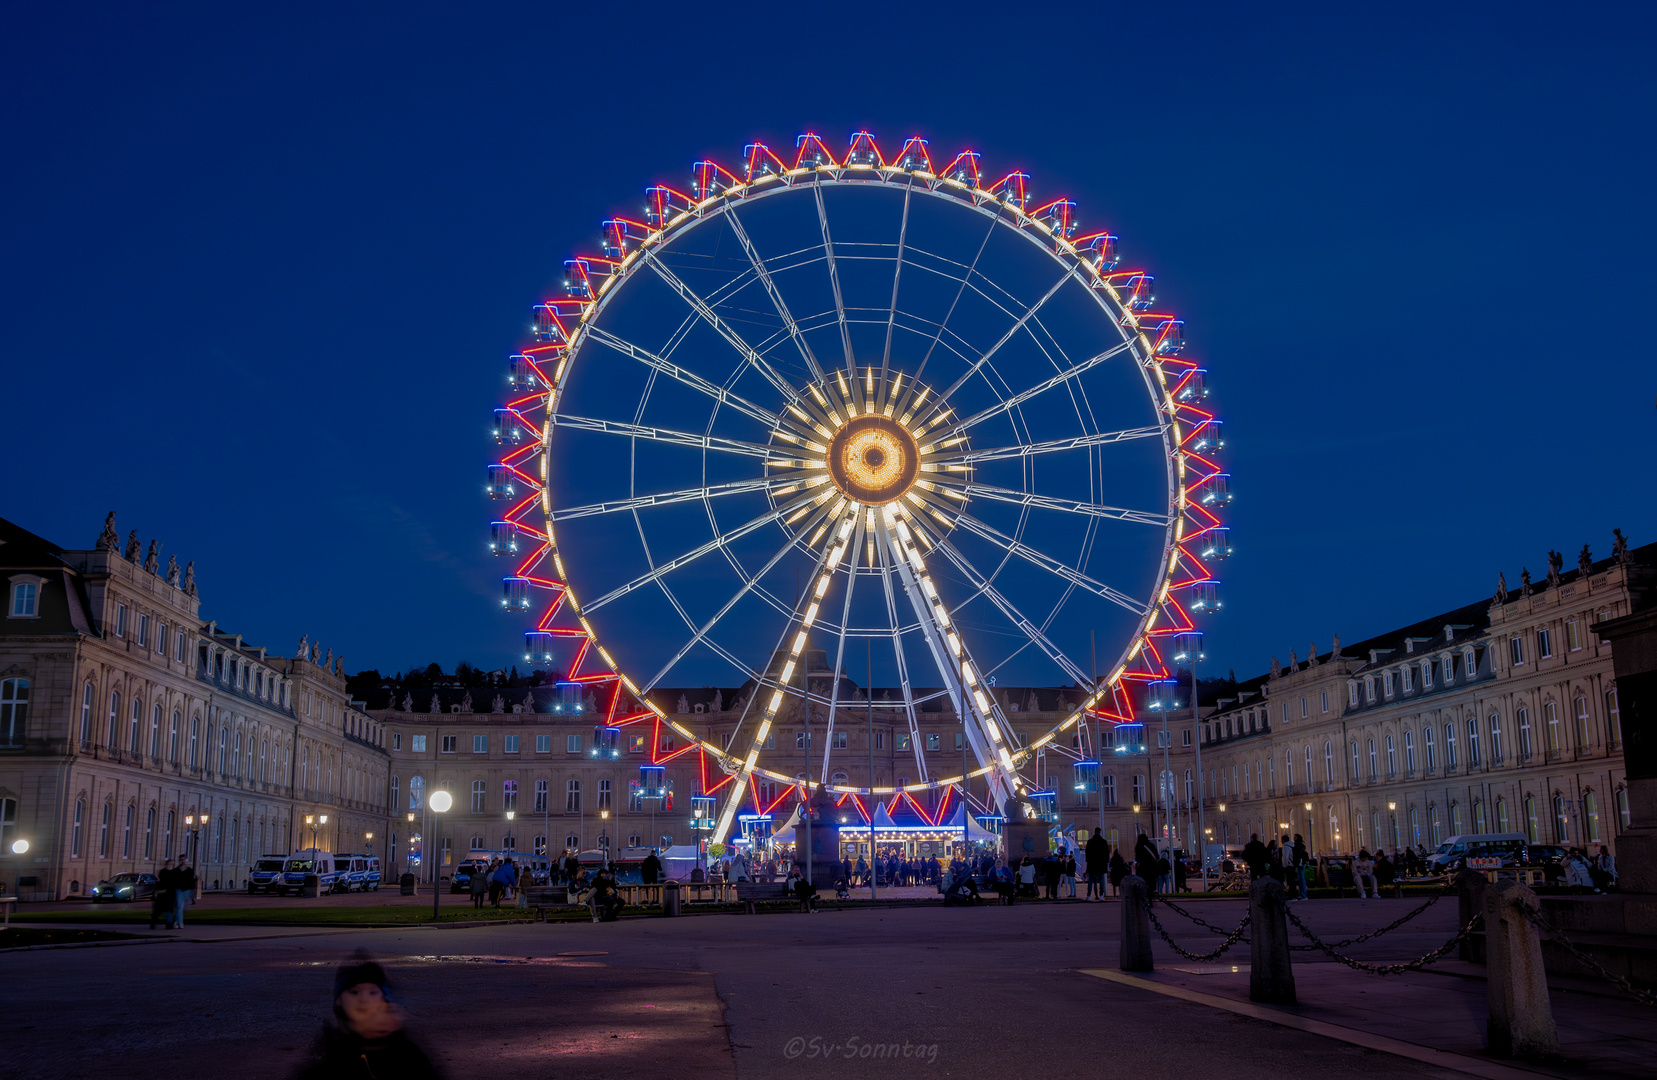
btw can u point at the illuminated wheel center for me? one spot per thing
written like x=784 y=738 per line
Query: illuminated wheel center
x=873 y=460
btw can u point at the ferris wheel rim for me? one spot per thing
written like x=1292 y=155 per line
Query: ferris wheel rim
x=997 y=210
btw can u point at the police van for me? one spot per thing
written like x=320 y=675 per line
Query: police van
x=327 y=867
x=266 y=875
x=358 y=873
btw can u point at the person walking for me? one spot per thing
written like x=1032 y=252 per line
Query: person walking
x=1067 y=875
x=1363 y=873
x=1097 y=856
x=184 y=887
x=1119 y=869
x=478 y=886
x=1302 y=863
x=161 y=902
x=1257 y=856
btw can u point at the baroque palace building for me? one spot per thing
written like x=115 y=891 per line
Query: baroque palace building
x=1498 y=716
x=132 y=732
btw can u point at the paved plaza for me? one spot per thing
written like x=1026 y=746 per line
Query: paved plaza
x=905 y=991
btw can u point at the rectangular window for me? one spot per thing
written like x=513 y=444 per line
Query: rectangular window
x=1325 y=696
x=1516 y=650
x=120 y=620
x=479 y=796
x=604 y=794
x=1573 y=635
x=1409 y=682
x=839 y=740
x=143 y=637
x=509 y=744
x=635 y=744
x=450 y=743
x=934 y=742
x=1107 y=784
x=572 y=796
x=572 y=743
x=25 y=600
x=1386 y=681
x=904 y=742
x=543 y=744
x=396 y=741
x=880 y=740
x=960 y=738
x=480 y=744
x=802 y=739
x=540 y=796
x=1185 y=737
x=417 y=744
x=1544 y=643
x=1305 y=709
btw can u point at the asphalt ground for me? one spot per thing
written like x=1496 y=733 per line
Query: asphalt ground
x=895 y=992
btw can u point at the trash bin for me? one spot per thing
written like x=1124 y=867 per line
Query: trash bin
x=670 y=898
x=311 y=888
x=406 y=883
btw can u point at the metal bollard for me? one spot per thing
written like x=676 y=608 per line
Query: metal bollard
x=1521 y=1016
x=1271 y=979
x=1135 y=954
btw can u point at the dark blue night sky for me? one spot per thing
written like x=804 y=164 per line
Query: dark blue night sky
x=262 y=271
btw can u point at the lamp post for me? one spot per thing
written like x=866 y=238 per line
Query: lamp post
x=408 y=847
x=368 y=842
x=1392 y=811
x=439 y=801
x=1136 y=824
x=604 y=833
x=1311 y=830
x=511 y=815
x=1224 y=837
x=195 y=851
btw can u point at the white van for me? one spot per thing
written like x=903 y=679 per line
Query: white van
x=327 y=867
x=358 y=873
x=1509 y=847
x=266 y=875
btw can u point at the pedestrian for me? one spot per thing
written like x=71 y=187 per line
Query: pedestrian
x=650 y=871
x=1027 y=877
x=1257 y=856
x=161 y=901
x=1302 y=863
x=1118 y=870
x=1363 y=873
x=1385 y=872
x=478 y=885
x=184 y=889
x=1286 y=866
x=1067 y=876
x=1605 y=869
x=366 y=1037
x=1005 y=887
x=1097 y=856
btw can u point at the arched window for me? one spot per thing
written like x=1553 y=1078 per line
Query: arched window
x=167 y=836
x=114 y=733
x=149 y=834
x=572 y=796
x=1550 y=724
x=1308 y=766
x=1428 y=748
x=1590 y=815
x=1522 y=716
x=1561 y=821
x=127 y=824
x=509 y=795
x=540 y=796
x=195 y=733
x=416 y=792
x=1353 y=773
x=135 y=745
x=1613 y=717
x=1449 y=747
x=1289 y=771
x=1392 y=758
x=77 y=824
x=1495 y=740
x=1455 y=819
x=1581 y=711
x=1374 y=762
x=1478 y=816
x=1623 y=820
x=14 y=708
x=572 y=842
x=1435 y=829
x=86 y=715
x=172 y=738
x=1328 y=763
x=155 y=732
x=103 y=831
x=1409 y=752
x=224 y=750
x=1501 y=814
x=1415 y=826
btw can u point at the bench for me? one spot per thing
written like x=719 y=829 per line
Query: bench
x=541 y=897
x=749 y=893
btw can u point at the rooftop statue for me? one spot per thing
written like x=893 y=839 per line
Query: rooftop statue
x=109 y=539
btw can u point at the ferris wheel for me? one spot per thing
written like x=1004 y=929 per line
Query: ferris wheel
x=861 y=417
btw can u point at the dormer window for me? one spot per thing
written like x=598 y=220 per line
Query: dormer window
x=1386 y=682
x=1426 y=674
x=1408 y=681
x=25 y=597
x=1369 y=689
x=1352 y=694
x=1470 y=664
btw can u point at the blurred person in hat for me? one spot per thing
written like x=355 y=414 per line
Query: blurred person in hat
x=365 y=1038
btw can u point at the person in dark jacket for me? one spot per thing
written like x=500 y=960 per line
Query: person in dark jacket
x=184 y=890
x=650 y=871
x=1097 y=857
x=1257 y=857
x=366 y=1041
x=1302 y=864
x=1118 y=870
x=161 y=901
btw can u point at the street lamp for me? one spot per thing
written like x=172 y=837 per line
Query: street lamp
x=439 y=801
x=1225 y=837
x=1392 y=811
x=1311 y=830
x=604 y=833
x=1136 y=823
x=368 y=844
x=19 y=847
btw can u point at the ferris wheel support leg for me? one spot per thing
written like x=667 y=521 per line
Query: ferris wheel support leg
x=981 y=721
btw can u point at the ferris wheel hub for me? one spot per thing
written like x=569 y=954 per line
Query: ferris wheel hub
x=873 y=460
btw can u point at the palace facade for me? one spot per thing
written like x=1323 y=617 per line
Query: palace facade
x=132 y=732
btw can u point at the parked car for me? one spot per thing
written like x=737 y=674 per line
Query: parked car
x=1507 y=848
x=125 y=888
x=1551 y=859
x=266 y=875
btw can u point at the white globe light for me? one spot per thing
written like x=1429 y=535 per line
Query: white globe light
x=19 y=847
x=440 y=801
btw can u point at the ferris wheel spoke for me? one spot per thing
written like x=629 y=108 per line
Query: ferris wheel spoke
x=1035 y=634
x=770 y=286
x=1042 y=387
x=1050 y=564
x=666 y=435
x=1048 y=502
x=840 y=649
x=1050 y=446
x=834 y=280
x=716 y=544
x=1012 y=332
x=966 y=279
x=906 y=685
x=749 y=583
x=711 y=317
x=689 y=378
x=897 y=277
x=666 y=498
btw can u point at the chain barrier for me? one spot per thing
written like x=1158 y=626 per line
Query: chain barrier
x=1543 y=922
x=1386 y=969
x=1231 y=939
x=1361 y=938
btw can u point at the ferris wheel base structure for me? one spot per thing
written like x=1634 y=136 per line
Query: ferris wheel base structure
x=884 y=402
